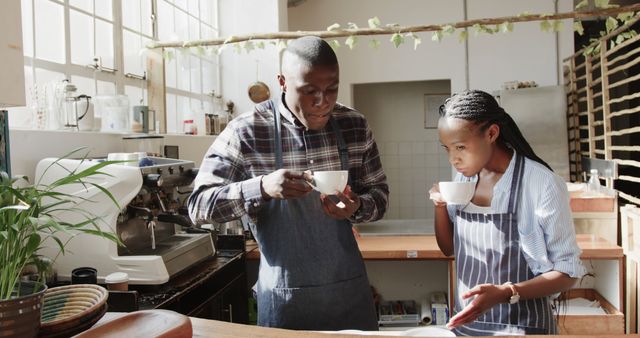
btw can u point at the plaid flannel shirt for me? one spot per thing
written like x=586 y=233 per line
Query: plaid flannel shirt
x=228 y=183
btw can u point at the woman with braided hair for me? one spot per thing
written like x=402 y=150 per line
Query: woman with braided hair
x=514 y=243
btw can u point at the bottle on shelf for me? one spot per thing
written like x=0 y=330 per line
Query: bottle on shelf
x=594 y=182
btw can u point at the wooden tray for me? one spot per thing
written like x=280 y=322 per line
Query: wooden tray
x=610 y=323
x=147 y=323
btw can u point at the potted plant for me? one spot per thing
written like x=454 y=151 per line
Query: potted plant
x=28 y=218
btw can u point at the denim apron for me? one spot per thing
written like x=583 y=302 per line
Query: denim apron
x=487 y=250
x=311 y=275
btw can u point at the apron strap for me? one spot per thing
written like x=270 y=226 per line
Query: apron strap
x=516 y=180
x=277 y=140
x=342 y=146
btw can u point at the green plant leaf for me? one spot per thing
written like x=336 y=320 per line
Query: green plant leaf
x=464 y=34
x=436 y=36
x=448 y=29
x=611 y=24
x=557 y=25
x=351 y=41
x=416 y=42
x=352 y=25
x=374 y=43
x=374 y=22
x=545 y=25
x=626 y=16
x=333 y=27
x=335 y=44
x=582 y=4
x=506 y=27
x=577 y=27
x=397 y=39
x=260 y=44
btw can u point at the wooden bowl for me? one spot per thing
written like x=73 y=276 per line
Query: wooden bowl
x=70 y=309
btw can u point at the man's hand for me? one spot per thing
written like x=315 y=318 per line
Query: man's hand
x=486 y=297
x=285 y=184
x=348 y=205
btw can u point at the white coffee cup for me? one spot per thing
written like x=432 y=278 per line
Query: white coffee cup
x=327 y=182
x=457 y=192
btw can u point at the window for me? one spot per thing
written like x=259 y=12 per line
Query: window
x=65 y=39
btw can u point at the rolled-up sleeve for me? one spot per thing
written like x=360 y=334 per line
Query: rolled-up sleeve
x=552 y=245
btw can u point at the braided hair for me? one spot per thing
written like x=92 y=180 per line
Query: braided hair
x=482 y=109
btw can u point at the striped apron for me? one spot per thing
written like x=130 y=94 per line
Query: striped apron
x=487 y=250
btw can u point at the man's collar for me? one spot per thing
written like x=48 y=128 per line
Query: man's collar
x=287 y=114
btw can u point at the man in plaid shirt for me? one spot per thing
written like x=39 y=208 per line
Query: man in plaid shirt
x=311 y=272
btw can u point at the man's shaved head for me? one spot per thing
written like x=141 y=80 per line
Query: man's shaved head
x=311 y=51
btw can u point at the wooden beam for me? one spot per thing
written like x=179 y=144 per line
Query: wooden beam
x=156 y=87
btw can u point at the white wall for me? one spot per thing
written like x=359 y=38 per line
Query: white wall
x=432 y=61
x=239 y=70
x=525 y=54
x=411 y=155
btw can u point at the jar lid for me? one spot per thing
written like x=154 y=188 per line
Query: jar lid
x=116 y=277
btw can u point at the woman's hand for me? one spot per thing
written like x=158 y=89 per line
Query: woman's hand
x=348 y=205
x=436 y=197
x=486 y=297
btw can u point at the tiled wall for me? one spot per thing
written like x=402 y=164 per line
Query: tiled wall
x=412 y=156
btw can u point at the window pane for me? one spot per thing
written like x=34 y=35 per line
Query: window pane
x=131 y=15
x=104 y=9
x=27 y=28
x=81 y=38
x=183 y=106
x=146 y=24
x=207 y=32
x=195 y=75
x=165 y=20
x=183 y=70
x=193 y=8
x=50 y=42
x=170 y=73
x=135 y=94
x=182 y=25
x=171 y=113
x=44 y=76
x=194 y=29
x=181 y=4
x=86 y=5
x=131 y=51
x=104 y=43
x=85 y=85
x=208 y=12
x=209 y=77
x=106 y=88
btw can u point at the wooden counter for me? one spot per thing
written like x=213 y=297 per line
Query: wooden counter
x=425 y=247
x=217 y=329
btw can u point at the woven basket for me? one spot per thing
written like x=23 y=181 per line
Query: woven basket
x=70 y=309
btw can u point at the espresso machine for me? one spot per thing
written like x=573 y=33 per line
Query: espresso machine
x=150 y=219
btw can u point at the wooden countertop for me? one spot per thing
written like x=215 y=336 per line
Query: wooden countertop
x=217 y=329
x=426 y=248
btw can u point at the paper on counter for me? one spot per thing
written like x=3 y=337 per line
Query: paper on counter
x=425 y=311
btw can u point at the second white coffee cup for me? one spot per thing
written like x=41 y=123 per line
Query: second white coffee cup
x=328 y=182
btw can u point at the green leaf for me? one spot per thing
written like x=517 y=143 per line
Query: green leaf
x=506 y=27
x=582 y=4
x=374 y=43
x=477 y=29
x=397 y=39
x=416 y=41
x=333 y=27
x=33 y=243
x=249 y=46
x=335 y=44
x=448 y=29
x=525 y=13
x=374 y=22
x=577 y=27
x=352 y=25
x=260 y=44
x=168 y=55
x=351 y=41
x=436 y=36
x=611 y=24
x=463 y=35
x=392 y=25
x=557 y=25
x=626 y=16
x=545 y=25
